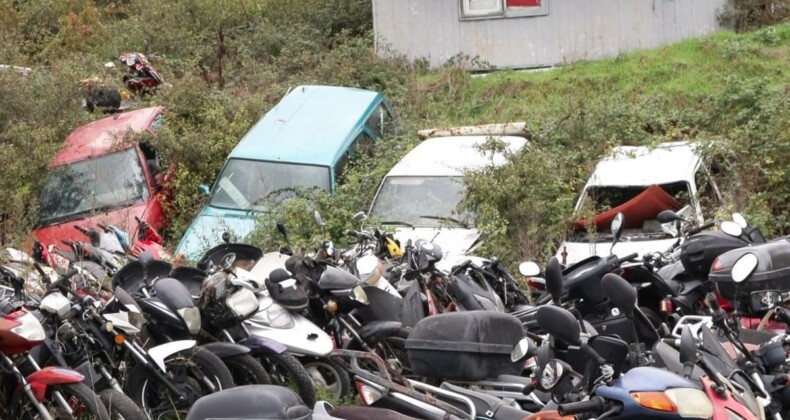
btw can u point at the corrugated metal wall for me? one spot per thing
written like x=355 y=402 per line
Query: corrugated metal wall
x=573 y=30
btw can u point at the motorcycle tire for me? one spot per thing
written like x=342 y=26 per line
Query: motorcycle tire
x=191 y=369
x=246 y=370
x=120 y=406
x=284 y=368
x=327 y=374
x=89 y=404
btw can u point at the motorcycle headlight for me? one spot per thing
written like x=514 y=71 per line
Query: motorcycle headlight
x=359 y=295
x=687 y=402
x=191 y=317
x=242 y=303
x=279 y=317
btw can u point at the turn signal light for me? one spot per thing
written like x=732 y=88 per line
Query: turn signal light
x=654 y=401
x=119 y=339
x=331 y=306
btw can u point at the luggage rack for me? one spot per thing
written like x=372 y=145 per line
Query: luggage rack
x=392 y=381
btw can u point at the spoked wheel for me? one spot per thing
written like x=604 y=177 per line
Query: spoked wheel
x=195 y=372
x=284 y=369
x=82 y=401
x=120 y=406
x=246 y=370
x=328 y=375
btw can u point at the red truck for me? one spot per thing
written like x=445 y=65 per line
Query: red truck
x=102 y=175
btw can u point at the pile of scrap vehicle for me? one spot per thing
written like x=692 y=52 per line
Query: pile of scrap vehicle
x=646 y=312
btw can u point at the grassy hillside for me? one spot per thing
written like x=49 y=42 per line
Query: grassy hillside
x=228 y=65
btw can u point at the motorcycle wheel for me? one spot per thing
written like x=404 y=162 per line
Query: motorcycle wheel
x=327 y=374
x=196 y=372
x=284 y=368
x=120 y=406
x=246 y=370
x=84 y=403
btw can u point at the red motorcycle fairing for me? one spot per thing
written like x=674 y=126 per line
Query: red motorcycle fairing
x=51 y=375
x=721 y=405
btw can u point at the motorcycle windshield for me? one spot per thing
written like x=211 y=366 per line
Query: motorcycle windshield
x=337 y=279
x=92 y=186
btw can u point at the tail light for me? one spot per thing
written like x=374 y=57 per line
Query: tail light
x=666 y=306
x=716 y=266
x=535 y=285
x=368 y=394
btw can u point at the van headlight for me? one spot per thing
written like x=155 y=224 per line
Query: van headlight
x=242 y=303
x=191 y=317
x=279 y=317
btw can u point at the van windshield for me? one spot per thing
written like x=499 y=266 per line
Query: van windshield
x=92 y=185
x=425 y=201
x=251 y=184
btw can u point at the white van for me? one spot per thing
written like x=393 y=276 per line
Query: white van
x=640 y=182
x=419 y=196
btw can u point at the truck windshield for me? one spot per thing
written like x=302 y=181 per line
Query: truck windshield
x=92 y=185
x=252 y=184
x=425 y=201
x=639 y=204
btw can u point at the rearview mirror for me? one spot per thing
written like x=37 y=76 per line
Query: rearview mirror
x=560 y=323
x=317 y=217
x=554 y=280
x=731 y=228
x=620 y=292
x=528 y=269
x=520 y=350
x=281 y=229
x=744 y=267
x=617 y=225
x=359 y=216
x=688 y=351
x=668 y=216
x=203 y=190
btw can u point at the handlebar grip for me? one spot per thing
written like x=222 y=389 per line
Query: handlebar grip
x=702 y=227
x=628 y=257
x=69 y=274
x=593 y=405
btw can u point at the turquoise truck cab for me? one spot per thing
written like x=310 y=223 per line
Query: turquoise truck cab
x=304 y=141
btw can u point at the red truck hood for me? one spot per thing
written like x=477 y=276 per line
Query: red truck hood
x=123 y=218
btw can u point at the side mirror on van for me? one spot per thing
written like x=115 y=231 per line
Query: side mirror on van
x=203 y=190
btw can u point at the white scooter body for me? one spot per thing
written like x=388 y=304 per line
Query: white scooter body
x=300 y=335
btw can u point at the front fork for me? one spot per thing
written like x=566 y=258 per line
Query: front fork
x=27 y=387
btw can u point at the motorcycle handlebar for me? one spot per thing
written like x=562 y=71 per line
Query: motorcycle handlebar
x=698 y=229
x=628 y=257
x=593 y=405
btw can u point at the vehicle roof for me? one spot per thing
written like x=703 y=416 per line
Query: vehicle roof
x=450 y=156
x=647 y=165
x=310 y=125
x=99 y=137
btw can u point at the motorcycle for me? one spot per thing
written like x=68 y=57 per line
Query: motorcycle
x=46 y=389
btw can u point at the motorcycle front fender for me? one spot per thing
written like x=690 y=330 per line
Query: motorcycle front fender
x=225 y=350
x=262 y=345
x=159 y=353
x=50 y=375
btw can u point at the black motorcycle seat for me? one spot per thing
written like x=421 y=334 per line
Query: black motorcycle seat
x=375 y=331
x=488 y=405
x=251 y=402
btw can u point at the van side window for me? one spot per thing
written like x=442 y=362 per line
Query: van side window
x=380 y=121
x=362 y=144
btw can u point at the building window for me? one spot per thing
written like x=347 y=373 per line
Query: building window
x=494 y=9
